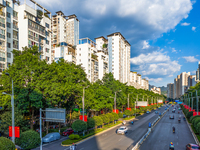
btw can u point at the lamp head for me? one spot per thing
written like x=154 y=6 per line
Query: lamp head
x=7 y=74
x=4 y=93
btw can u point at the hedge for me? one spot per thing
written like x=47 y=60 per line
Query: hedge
x=79 y=125
x=6 y=144
x=29 y=139
x=74 y=136
x=98 y=121
x=90 y=123
x=189 y=114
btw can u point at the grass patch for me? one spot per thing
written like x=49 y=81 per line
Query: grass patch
x=129 y=118
x=68 y=141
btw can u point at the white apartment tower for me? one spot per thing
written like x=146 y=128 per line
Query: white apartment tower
x=119 y=57
x=88 y=59
x=21 y=26
x=170 y=90
x=102 y=53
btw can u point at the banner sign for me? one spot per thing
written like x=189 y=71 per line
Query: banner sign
x=142 y=103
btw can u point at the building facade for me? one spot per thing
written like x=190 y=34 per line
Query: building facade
x=23 y=26
x=198 y=73
x=156 y=90
x=119 y=57
x=170 y=90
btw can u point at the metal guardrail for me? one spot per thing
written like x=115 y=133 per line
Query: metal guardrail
x=137 y=145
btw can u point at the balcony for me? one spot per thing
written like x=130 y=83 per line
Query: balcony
x=15 y=17
x=15 y=46
x=15 y=37
x=15 y=27
x=2 y=13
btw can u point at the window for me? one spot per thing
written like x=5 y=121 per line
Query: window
x=47 y=25
x=79 y=60
x=9 y=55
x=79 y=54
x=47 y=33
x=47 y=42
x=8 y=45
x=47 y=58
x=8 y=34
x=7 y=3
x=8 y=24
x=47 y=50
x=89 y=60
x=88 y=54
x=8 y=14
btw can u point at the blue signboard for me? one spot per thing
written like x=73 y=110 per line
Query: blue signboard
x=176 y=100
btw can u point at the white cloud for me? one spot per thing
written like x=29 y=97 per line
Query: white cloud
x=156 y=63
x=190 y=59
x=193 y=72
x=193 y=28
x=145 y=45
x=170 y=41
x=185 y=24
x=155 y=80
x=174 y=50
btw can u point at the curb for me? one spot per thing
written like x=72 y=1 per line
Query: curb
x=193 y=134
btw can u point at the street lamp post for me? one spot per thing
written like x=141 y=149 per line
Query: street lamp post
x=83 y=100
x=13 y=115
x=128 y=100
x=197 y=101
x=135 y=105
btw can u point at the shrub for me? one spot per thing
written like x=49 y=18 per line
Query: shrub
x=90 y=123
x=29 y=139
x=76 y=136
x=127 y=112
x=115 y=115
x=6 y=144
x=71 y=136
x=98 y=121
x=79 y=125
x=105 y=118
x=196 y=121
x=193 y=117
x=189 y=114
x=120 y=115
x=198 y=127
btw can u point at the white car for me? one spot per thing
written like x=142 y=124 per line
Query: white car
x=122 y=130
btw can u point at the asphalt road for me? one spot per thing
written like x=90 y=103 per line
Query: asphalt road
x=110 y=140
x=162 y=134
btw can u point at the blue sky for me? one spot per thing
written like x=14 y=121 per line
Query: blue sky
x=164 y=35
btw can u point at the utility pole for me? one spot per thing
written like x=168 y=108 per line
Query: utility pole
x=128 y=100
x=115 y=100
x=13 y=115
x=197 y=97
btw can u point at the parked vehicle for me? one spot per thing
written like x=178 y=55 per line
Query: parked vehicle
x=192 y=147
x=51 y=137
x=68 y=132
x=122 y=130
x=147 y=112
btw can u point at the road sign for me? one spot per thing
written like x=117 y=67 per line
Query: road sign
x=55 y=115
x=17 y=131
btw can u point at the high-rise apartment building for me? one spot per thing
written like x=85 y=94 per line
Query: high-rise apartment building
x=102 y=53
x=198 y=73
x=21 y=26
x=170 y=90
x=156 y=90
x=87 y=58
x=65 y=33
x=191 y=80
x=119 y=57
x=183 y=82
x=175 y=91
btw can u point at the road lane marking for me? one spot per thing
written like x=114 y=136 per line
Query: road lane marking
x=120 y=139
x=81 y=148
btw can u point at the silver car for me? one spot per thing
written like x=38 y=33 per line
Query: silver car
x=51 y=137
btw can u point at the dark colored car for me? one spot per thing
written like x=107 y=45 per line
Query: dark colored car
x=171 y=117
x=68 y=132
x=192 y=147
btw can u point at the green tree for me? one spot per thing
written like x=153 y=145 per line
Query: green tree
x=29 y=139
x=6 y=121
x=116 y=116
x=6 y=144
x=105 y=118
x=75 y=115
x=90 y=123
x=98 y=121
x=79 y=125
x=127 y=112
x=120 y=115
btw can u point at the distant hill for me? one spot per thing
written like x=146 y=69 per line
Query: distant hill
x=163 y=88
